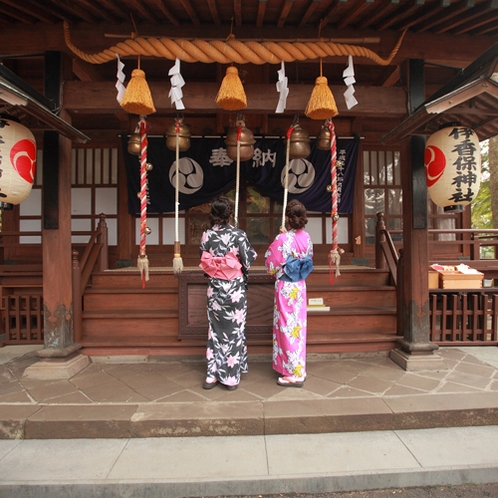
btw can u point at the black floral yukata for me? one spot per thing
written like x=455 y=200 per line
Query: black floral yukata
x=226 y=350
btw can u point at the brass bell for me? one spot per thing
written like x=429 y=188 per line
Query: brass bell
x=183 y=137
x=323 y=139
x=246 y=142
x=299 y=143
x=134 y=145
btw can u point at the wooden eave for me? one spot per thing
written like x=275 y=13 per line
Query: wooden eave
x=19 y=99
x=470 y=99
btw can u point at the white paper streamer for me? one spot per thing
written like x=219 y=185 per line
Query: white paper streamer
x=282 y=89
x=349 y=81
x=177 y=82
x=120 y=77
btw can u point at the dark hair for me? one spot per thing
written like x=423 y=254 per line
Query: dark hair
x=296 y=214
x=222 y=209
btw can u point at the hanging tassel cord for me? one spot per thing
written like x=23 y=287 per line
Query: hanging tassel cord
x=177 y=257
x=286 y=176
x=335 y=252
x=143 y=262
x=237 y=180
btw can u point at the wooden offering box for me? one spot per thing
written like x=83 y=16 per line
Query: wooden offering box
x=458 y=280
x=433 y=279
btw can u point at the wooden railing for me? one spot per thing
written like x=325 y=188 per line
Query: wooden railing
x=386 y=254
x=457 y=316
x=464 y=317
x=96 y=252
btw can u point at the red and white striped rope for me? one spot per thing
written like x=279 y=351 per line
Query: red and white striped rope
x=143 y=189
x=333 y=186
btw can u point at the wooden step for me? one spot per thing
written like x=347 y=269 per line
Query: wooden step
x=132 y=278
x=127 y=299
x=338 y=297
x=354 y=311
x=131 y=290
x=347 y=321
x=127 y=314
x=118 y=325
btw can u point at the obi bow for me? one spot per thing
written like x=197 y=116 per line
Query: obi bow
x=225 y=267
x=296 y=269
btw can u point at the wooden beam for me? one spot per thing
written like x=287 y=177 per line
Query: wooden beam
x=284 y=13
x=191 y=12
x=214 y=12
x=353 y=14
x=237 y=9
x=28 y=8
x=100 y=98
x=382 y=10
x=99 y=11
x=64 y=7
x=145 y=11
x=261 y=13
x=309 y=11
x=160 y=5
x=85 y=71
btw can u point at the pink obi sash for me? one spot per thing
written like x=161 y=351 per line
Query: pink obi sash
x=225 y=267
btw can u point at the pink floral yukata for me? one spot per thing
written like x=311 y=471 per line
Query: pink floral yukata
x=290 y=315
x=226 y=351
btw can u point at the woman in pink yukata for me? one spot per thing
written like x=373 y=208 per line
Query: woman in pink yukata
x=290 y=259
x=226 y=256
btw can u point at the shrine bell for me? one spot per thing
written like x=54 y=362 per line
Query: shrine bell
x=453 y=166
x=134 y=144
x=246 y=142
x=183 y=137
x=323 y=139
x=299 y=143
x=18 y=161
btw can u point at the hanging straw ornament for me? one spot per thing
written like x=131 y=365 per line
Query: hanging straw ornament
x=231 y=95
x=143 y=262
x=137 y=98
x=335 y=252
x=322 y=103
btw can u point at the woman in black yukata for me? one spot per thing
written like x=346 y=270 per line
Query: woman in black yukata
x=226 y=256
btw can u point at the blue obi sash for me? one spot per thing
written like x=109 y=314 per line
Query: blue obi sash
x=296 y=269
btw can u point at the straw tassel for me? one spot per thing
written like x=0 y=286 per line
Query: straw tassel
x=137 y=98
x=231 y=95
x=322 y=103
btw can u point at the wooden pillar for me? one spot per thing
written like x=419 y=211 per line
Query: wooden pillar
x=416 y=349
x=56 y=236
x=59 y=357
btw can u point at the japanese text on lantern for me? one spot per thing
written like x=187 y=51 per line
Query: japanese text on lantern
x=465 y=165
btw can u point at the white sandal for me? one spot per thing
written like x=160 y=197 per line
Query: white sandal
x=290 y=381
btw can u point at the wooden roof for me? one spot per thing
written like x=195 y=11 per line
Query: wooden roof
x=470 y=99
x=446 y=34
x=463 y=17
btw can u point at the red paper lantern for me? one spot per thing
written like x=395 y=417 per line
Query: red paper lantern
x=453 y=166
x=17 y=161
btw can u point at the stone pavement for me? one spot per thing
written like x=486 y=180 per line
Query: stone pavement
x=126 y=397
x=360 y=423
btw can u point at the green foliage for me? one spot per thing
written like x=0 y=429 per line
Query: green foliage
x=482 y=216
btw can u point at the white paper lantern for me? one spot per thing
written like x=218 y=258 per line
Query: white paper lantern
x=17 y=161
x=453 y=166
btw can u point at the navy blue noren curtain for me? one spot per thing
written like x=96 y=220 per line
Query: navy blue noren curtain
x=205 y=171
